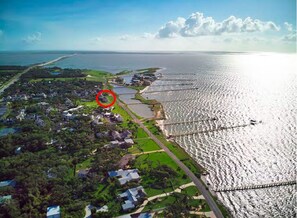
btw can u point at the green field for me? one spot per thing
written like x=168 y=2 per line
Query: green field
x=140 y=133
x=146 y=162
x=97 y=75
x=191 y=191
x=144 y=145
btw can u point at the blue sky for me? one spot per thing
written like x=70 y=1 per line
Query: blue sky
x=240 y=25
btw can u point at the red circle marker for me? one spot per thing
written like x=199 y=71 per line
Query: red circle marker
x=109 y=92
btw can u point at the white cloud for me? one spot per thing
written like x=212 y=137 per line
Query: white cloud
x=34 y=38
x=291 y=37
x=172 y=28
x=148 y=36
x=97 y=39
x=125 y=37
x=288 y=26
x=198 y=25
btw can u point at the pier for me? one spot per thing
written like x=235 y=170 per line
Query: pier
x=213 y=130
x=166 y=90
x=178 y=74
x=177 y=84
x=193 y=121
x=248 y=187
x=176 y=80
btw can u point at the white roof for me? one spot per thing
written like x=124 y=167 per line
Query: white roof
x=53 y=210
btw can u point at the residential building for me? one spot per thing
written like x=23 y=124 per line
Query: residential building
x=7 y=183
x=125 y=176
x=132 y=197
x=53 y=212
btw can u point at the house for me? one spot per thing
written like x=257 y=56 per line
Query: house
x=117 y=118
x=115 y=135
x=68 y=116
x=39 y=121
x=103 y=99
x=126 y=134
x=112 y=144
x=147 y=82
x=53 y=212
x=101 y=135
x=107 y=114
x=88 y=210
x=129 y=142
x=138 y=215
x=83 y=173
x=7 y=183
x=68 y=103
x=4 y=199
x=21 y=115
x=18 y=150
x=125 y=160
x=132 y=197
x=125 y=176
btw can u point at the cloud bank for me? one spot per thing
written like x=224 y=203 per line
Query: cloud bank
x=199 y=25
x=34 y=38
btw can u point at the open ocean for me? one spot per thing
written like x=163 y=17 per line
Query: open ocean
x=233 y=88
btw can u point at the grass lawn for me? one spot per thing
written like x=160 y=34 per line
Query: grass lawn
x=150 y=124
x=191 y=191
x=181 y=154
x=140 y=133
x=92 y=104
x=174 y=148
x=196 y=202
x=159 y=203
x=97 y=75
x=148 y=161
x=143 y=145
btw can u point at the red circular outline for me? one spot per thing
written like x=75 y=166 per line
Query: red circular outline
x=106 y=91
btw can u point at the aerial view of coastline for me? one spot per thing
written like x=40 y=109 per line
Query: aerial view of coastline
x=148 y=109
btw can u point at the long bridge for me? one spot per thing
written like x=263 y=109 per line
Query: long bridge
x=260 y=186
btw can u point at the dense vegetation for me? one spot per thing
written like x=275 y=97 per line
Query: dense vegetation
x=53 y=72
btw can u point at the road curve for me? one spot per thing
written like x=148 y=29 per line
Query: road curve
x=212 y=204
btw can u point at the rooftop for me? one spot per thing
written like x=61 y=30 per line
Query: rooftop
x=125 y=176
x=53 y=210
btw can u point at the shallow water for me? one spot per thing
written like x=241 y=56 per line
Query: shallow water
x=135 y=105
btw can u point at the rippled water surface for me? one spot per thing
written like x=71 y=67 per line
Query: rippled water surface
x=222 y=92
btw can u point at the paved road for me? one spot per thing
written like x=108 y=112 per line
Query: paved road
x=212 y=204
x=15 y=78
